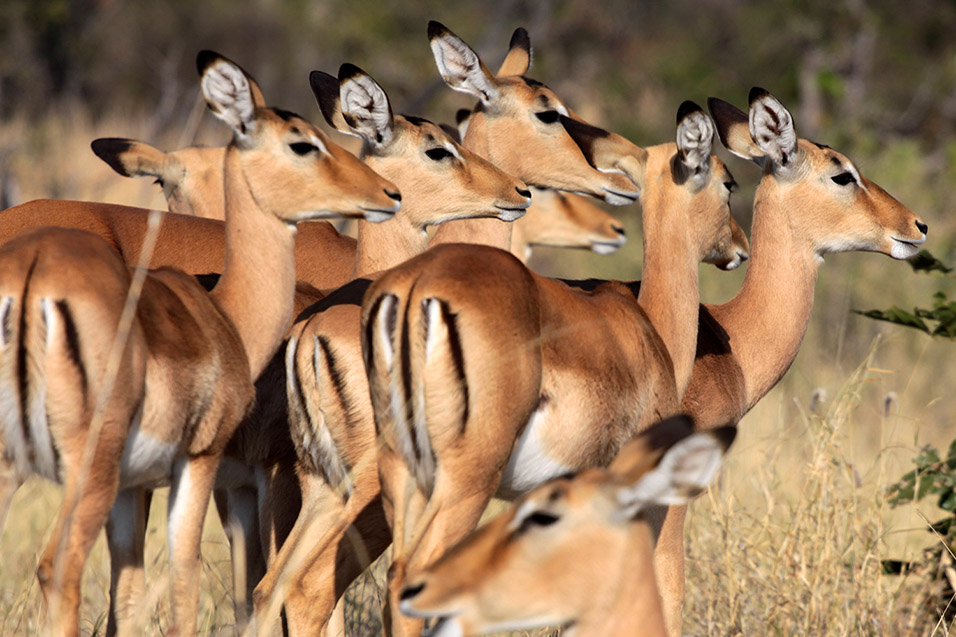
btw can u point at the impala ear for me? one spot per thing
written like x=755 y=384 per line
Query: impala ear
x=695 y=138
x=518 y=60
x=686 y=467
x=325 y=88
x=365 y=106
x=771 y=127
x=459 y=65
x=229 y=92
x=131 y=158
x=733 y=128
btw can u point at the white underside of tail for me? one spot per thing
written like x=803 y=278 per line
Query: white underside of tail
x=146 y=461
x=530 y=465
x=15 y=446
x=326 y=449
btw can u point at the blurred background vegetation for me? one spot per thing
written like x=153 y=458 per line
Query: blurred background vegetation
x=872 y=78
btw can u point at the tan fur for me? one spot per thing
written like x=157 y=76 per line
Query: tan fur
x=186 y=374
x=573 y=553
x=330 y=414
x=599 y=363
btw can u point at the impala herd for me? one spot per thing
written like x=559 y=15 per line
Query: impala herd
x=340 y=397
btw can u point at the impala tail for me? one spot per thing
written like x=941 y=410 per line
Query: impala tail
x=316 y=397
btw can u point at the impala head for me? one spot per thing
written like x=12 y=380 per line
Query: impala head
x=520 y=120
x=833 y=207
x=191 y=178
x=441 y=181
x=566 y=220
x=559 y=554
x=291 y=167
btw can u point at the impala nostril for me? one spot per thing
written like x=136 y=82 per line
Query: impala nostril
x=397 y=196
x=922 y=227
x=411 y=591
x=523 y=193
x=619 y=230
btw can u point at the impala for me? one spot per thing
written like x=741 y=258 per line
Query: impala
x=576 y=552
x=487 y=378
x=186 y=359
x=811 y=201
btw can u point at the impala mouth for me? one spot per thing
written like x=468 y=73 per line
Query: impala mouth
x=905 y=248
x=378 y=215
x=511 y=213
x=444 y=627
x=618 y=198
x=606 y=247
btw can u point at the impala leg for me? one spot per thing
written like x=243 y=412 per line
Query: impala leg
x=192 y=483
x=359 y=538
x=86 y=505
x=280 y=501
x=239 y=513
x=125 y=536
x=669 y=563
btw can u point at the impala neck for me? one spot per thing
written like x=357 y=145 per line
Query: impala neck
x=492 y=232
x=669 y=292
x=384 y=245
x=767 y=319
x=256 y=289
x=632 y=604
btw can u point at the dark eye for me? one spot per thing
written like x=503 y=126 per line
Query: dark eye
x=537 y=518
x=548 y=117
x=302 y=148
x=844 y=179
x=730 y=185
x=438 y=154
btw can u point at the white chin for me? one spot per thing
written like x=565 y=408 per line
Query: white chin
x=903 y=250
x=506 y=214
x=615 y=199
x=377 y=216
x=605 y=248
x=733 y=265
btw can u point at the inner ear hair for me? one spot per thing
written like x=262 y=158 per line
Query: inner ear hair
x=771 y=127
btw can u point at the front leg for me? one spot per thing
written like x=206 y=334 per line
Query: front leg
x=669 y=566
x=193 y=480
x=125 y=537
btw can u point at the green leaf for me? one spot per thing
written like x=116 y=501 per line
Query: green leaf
x=924 y=261
x=947 y=500
x=898 y=316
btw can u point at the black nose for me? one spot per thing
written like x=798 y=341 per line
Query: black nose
x=523 y=193
x=411 y=591
x=397 y=196
x=619 y=230
x=922 y=227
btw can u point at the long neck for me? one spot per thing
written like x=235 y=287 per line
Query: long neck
x=670 y=292
x=630 y=604
x=767 y=319
x=384 y=245
x=257 y=285
x=492 y=232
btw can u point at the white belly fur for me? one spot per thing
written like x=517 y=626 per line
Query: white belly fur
x=530 y=464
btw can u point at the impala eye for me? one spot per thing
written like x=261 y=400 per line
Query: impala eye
x=548 y=117
x=537 y=518
x=302 y=148
x=844 y=179
x=438 y=154
x=730 y=185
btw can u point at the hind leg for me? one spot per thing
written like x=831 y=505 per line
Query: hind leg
x=125 y=536
x=193 y=480
x=87 y=501
x=239 y=513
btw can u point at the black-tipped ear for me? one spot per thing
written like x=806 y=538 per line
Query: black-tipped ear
x=733 y=129
x=518 y=60
x=326 y=90
x=462 y=115
x=205 y=59
x=520 y=39
x=110 y=149
x=686 y=108
x=348 y=71
x=725 y=434
x=756 y=93
x=666 y=433
x=436 y=29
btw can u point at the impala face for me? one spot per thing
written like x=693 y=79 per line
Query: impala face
x=321 y=179
x=552 y=556
x=842 y=209
x=517 y=112
x=567 y=220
